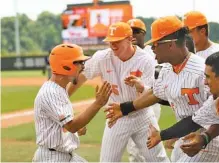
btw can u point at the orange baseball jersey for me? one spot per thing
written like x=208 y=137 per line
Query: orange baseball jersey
x=207 y=52
x=185 y=91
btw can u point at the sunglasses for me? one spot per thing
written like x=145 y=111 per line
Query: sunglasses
x=137 y=31
x=79 y=62
x=155 y=44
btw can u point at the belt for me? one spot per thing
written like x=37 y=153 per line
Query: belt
x=51 y=149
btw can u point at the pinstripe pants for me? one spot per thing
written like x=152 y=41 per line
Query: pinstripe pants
x=133 y=151
x=133 y=126
x=45 y=155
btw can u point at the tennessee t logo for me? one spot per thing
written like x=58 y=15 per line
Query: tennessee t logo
x=112 y=29
x=190 y=92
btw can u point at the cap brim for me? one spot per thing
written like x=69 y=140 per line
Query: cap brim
x=113 y=39
x=138 y=28
x=82 y=58
x=194 y=26
x=152 y=40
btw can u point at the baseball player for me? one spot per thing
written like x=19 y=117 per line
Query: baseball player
x=139 y=32
x=55 y=123
x=181 y=82
x=114 y=65
x=198 y=29
x=205 y=116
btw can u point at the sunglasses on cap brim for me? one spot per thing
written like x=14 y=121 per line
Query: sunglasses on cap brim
x=156 y=43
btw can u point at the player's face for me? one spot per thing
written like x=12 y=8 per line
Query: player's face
x=196 y=35
x=212 y=80
x=162 y=51
x=79 y=68
x=119 y=47
x=138 y=37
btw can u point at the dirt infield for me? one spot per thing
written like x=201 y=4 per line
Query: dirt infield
x=26 y=116
x=37 y=81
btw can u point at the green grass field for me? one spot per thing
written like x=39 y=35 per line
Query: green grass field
x=22 y=97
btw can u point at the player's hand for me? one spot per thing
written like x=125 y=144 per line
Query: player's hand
x=134 y=81
x=82 y=131
x=169 y=144
x=193 y=143
x=154 y=137
x=103 y=93
x=113 y=113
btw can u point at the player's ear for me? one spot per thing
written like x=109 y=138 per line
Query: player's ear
x=203 y=31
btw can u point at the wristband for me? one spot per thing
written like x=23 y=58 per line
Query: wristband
x=127 y=107
x=206 y=138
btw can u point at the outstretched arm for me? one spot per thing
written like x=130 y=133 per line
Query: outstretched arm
x=115 y=110
x=180 y=129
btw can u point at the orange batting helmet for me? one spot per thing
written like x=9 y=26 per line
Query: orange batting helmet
x=63 y=56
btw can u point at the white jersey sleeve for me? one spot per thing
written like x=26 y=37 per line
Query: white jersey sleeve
x=148 y=75
x=92 y=66
x=159 y=85
x=58 y=108
x=208 y=113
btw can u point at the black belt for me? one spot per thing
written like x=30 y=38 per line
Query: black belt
x=51 y=149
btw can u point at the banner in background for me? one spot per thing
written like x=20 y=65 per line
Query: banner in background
x=86 y=23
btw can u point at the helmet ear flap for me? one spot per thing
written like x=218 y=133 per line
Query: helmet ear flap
x=68 y=68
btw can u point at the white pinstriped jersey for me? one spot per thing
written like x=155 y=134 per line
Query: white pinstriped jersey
x=207 y=114
x=207 y=52
x=184 y=91
x=150 y=51
x=52 y=110
x=112 y=69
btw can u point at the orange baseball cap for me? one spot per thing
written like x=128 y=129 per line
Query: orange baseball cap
x=194 y=19
x=118 y=31
x=137 y=23
x=163 y=27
